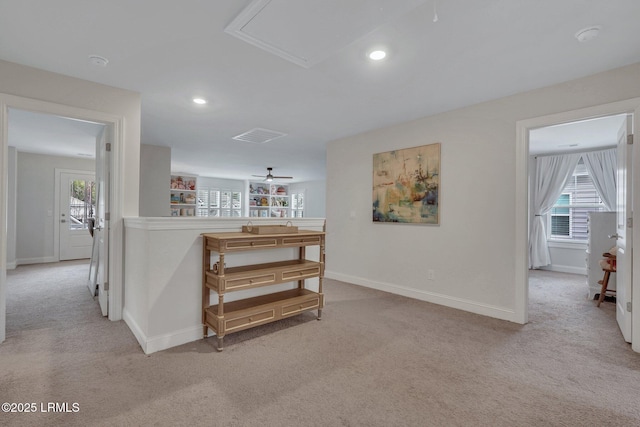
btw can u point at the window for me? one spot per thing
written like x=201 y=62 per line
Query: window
x=297 y=205
x=568 y=217
x=561 y=216
x=219 y=203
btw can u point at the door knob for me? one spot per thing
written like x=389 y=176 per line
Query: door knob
x=614 y=236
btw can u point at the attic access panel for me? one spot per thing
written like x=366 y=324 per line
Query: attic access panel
x=308 y=32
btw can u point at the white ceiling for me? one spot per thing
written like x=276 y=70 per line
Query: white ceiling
x=57 y=136
x=297 y=30
x=170 y=51
x=583 y=135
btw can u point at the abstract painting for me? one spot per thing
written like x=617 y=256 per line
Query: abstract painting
x=406 y=185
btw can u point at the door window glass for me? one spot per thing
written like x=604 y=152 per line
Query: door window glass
x=82 y=205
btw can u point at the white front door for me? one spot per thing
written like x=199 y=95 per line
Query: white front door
x=624 y=272
x=77 y=204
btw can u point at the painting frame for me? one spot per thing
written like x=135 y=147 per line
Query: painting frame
x=406 y=185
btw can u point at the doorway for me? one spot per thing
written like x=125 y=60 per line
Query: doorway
x=114 y=128
x=56 y=203
x=589 y=189
x=523 y=196
x=582 y=222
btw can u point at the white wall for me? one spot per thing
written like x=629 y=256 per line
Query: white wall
x=35 y=203
x=472 y=251
x=567 y=258
x=155 y=180
x=315 y=197
x=222 y=183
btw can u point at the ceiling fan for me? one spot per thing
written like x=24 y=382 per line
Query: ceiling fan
x=269 y=177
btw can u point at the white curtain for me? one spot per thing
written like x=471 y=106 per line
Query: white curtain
x=602 y=166
x=552 y=174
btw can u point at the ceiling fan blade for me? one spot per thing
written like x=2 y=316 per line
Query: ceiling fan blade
x=269 y=177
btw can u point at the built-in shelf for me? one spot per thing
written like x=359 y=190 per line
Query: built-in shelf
x=183 y=195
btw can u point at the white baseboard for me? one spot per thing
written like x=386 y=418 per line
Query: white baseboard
x=135 y=329
x=161 y=342
x=445 y=300
x=173 y=339
x=42 y=260
x=11 y=265
x=565 y=269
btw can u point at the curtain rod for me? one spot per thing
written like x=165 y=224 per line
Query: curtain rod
x=576 y=152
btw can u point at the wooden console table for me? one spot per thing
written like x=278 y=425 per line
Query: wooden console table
x=225 y=318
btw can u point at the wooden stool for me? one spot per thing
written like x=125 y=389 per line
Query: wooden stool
x=605 y=280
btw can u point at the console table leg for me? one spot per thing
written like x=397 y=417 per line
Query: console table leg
x=220 y=342
x=319 y=314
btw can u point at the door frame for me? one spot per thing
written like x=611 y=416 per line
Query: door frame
x=57 y=207
x=116 y=235
x=629 y=106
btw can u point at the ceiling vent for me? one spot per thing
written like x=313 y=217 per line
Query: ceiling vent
x=259 y=136
x=307 y=33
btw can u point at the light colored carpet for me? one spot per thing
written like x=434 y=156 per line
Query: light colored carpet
x=374 y=360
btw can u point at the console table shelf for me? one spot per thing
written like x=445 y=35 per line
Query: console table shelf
x=244 y=314
x=252 y=276
x=225 y=318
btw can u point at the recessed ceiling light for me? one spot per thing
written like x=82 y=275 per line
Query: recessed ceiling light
x=199 y=101
x=377 y=55
x=586 y=34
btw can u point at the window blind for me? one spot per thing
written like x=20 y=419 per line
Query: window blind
x=569 y=216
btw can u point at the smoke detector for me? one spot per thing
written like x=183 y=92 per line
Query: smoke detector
x=587 y=34
x=98 y=61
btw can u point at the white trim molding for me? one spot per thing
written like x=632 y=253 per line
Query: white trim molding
x=38 y=260
x=432 y=297
x=566 y=269
x=4 y=191
x=161 y=342
x=578 y=246
x=213 y=223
